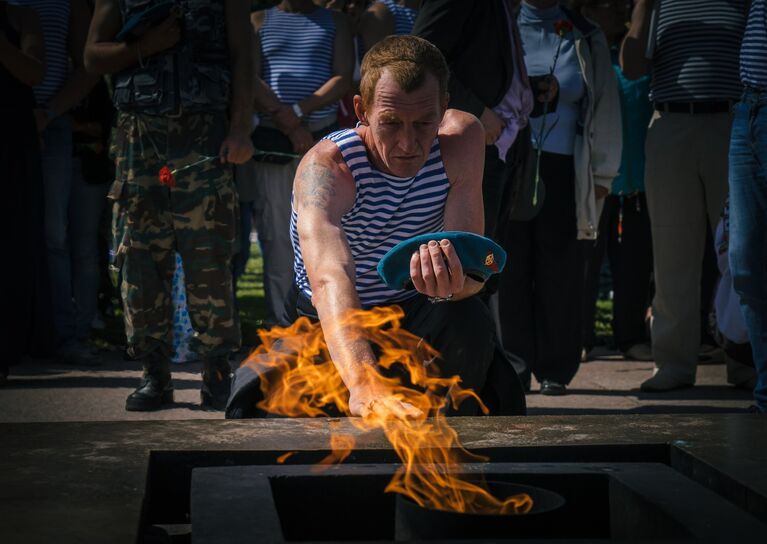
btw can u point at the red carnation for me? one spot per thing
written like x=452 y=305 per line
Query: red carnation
x=166 y=177
x=562 y=27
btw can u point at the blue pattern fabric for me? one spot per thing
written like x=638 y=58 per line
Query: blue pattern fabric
x=182 y=324
x=387 y=210
x=297 y=52
x=753 y=52
x=404 y=17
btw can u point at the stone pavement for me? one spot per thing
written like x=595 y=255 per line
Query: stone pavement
x=40 y=391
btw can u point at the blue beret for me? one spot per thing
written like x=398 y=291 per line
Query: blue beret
x=153 y=14
x=480 y=257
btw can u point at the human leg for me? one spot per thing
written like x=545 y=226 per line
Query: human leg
x=85 y=211
x=272 y=214
x=748 y=225
x=675 y=200
x=56 y=160
x=463 y=333
x=558 y=276
x=630 y=257
x=515 y=296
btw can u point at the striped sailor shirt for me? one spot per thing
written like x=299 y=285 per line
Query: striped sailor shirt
x=54 y=20
x=696 y=50
x=297 y=53
x=387 y=210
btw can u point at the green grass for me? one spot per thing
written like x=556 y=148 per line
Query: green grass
x=603 y=326
x=250 y=298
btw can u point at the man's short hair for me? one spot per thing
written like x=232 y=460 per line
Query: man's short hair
x=408 y=59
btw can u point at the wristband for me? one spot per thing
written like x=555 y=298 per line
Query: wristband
x=435 y=300
x=297 y=110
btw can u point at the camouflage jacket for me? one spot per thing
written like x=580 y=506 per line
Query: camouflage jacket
x=192 y=76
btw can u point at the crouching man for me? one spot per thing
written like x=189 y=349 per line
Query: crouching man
x=410 y=167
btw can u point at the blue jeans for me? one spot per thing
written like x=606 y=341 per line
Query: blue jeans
x=748 y=226
x=72 y=212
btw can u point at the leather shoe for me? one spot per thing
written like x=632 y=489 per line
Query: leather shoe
x=661 y=382
x=552 y=388
x=150 y=395
x=216 y=383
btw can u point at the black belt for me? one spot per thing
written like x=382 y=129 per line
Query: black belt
x=714 y=106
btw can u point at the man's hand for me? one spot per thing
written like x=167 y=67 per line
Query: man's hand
x=285 y=119
x=236 y=149
x=548 y=87
x=436 y=270
x=492 y=124
x=600 y=192
x=301 y=139
x=161 y=37
x=370 y=401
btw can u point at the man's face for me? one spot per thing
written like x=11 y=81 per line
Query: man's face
x=402 y=125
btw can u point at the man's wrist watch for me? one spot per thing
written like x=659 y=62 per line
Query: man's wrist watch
x=297 y=110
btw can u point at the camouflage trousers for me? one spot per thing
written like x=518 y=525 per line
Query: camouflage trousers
x=198 y=218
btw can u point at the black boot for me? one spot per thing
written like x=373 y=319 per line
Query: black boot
x=156 y=386
x=216 y=383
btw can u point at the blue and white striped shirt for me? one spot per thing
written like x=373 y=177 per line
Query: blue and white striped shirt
x=696 y=50
x=387 y=210
x=54 y=20
x=297 y=52
x=753 y=52
x=404 y=17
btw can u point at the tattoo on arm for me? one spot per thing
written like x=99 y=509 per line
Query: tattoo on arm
x=317 y=186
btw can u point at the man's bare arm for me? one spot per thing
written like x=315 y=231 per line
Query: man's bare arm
x=238 y=31
x=26 y=62
x=375 y=24
x=237 y=148
x=462 y=140
x=104 y=55
x=323 y=191
x=80 y=82
x=343 y=68
x=634 y=62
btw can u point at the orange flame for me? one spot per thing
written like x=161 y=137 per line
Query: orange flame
x=298 y=378
x=284 y=457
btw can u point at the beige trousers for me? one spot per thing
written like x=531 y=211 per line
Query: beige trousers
x=686 y=184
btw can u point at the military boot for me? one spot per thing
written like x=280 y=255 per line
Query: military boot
x=156 y=387
x=216 y=383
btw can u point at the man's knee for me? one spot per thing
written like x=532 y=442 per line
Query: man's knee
x=469 y=319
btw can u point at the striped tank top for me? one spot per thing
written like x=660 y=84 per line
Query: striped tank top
x=54 y=21
x=387 y=210
x=297 y=53
x=404 y=18
x=696 y=50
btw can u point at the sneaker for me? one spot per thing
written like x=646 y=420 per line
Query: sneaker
x=552 y=388
x=80 y=354
x=663 y=381
x=638 y=352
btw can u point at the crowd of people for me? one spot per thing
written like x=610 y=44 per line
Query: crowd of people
x=612 y=128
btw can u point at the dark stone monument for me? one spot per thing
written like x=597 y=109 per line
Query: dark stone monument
x=637 y=477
